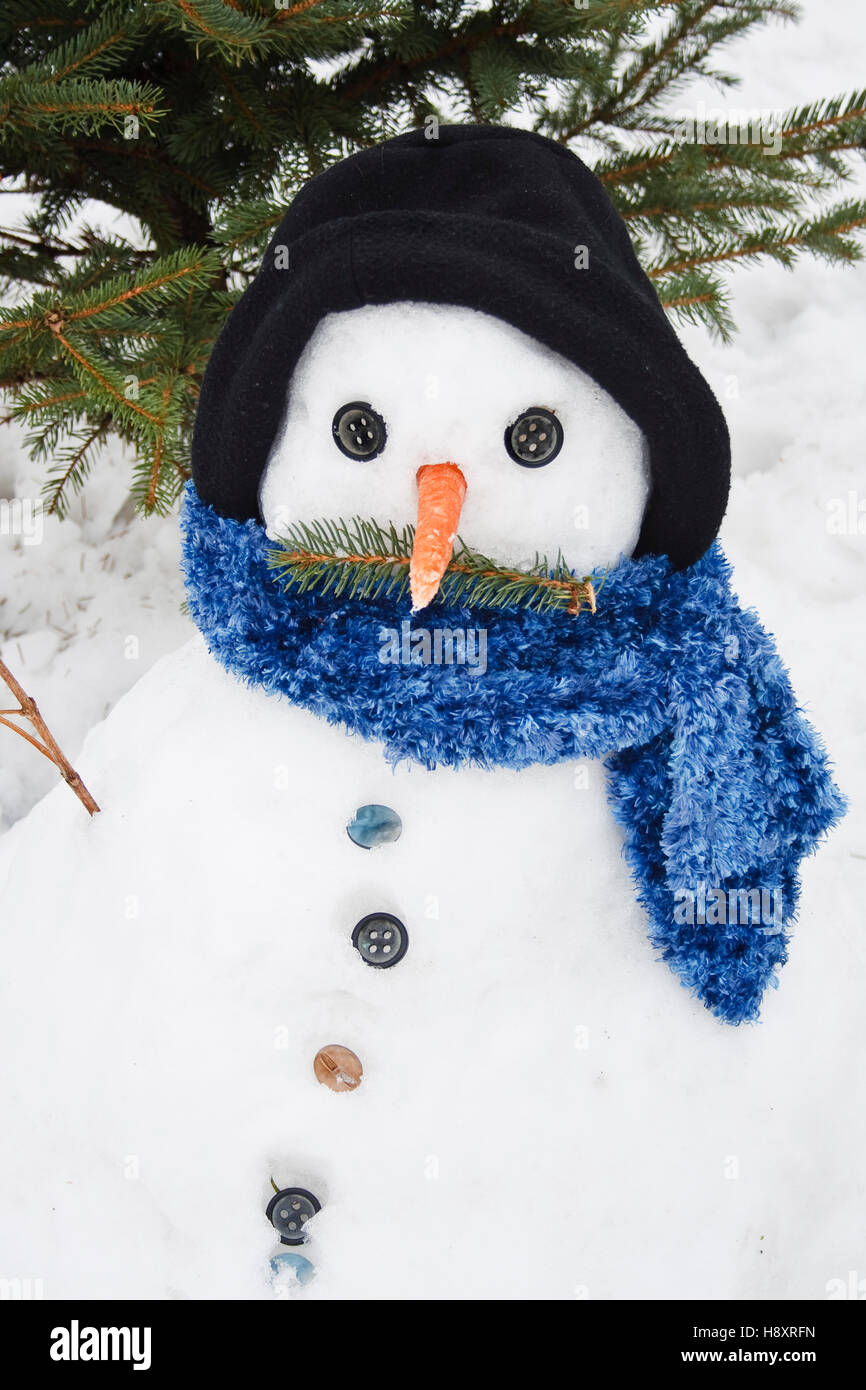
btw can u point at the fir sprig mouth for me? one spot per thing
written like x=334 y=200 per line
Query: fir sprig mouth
x=364 y=559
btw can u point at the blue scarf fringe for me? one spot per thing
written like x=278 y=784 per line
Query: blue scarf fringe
x=719 y=782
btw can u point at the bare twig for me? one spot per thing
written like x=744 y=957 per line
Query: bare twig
x=28 y=709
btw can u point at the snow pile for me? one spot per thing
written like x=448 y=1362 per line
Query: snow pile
x=88 y=604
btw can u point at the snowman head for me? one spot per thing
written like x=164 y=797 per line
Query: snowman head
x=438 y=298
x=399 y=411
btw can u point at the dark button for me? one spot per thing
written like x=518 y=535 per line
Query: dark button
x=289 y=1211
x=535 y=438
x=374 y=825
x=380 y=939
x=359 y=431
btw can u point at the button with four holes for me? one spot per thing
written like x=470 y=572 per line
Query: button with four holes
x=289 y=1211
x=535 y=438
x=380 y=939
x=359 y=430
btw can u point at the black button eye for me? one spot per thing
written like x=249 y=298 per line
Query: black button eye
x=535 y=438
x=359 y=431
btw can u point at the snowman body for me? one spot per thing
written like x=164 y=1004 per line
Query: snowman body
x=183 y=1023
x=544 y=1113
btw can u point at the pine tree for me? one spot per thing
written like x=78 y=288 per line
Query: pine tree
x=200 y=119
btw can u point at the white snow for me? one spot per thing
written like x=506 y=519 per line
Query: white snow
x=544 y=1109
x=87 y=605
x=544 y=1112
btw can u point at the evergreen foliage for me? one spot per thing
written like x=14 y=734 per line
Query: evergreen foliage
x=200 y=119
x=365 y=559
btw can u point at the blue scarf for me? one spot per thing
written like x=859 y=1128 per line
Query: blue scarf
x=719 y=782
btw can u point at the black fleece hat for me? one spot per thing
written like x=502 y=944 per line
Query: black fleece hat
x=489 y=218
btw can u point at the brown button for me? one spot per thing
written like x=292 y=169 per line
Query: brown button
x=337 y=1068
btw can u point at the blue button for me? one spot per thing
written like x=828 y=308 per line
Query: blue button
x=297 y=1267
x=374 y=825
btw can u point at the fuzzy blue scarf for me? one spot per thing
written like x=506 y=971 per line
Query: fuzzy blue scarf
x=718 y=780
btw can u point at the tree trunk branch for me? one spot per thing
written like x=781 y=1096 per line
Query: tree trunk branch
x=28 y=709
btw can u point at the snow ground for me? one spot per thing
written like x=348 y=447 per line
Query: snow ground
x=88 y=611
x=83 y=613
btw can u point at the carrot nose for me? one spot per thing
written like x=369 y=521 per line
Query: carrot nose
x=441 y=490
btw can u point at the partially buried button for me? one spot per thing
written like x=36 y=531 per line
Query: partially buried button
x=380 y=939
x=288 y=1268
x=289 y=1211
x=374 y=825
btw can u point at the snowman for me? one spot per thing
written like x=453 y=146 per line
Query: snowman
x=352 y=989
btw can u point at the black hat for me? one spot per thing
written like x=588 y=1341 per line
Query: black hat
x=489 y=218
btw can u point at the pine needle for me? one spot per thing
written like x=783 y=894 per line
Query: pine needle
x=364 y=559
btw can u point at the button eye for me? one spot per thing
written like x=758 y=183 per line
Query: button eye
x=359 y=431
x=535 y=438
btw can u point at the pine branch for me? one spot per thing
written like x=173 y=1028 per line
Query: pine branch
x=247 y=226
x=823 y=116
x=367 y=77
x=697 y=297
x=42 y=245
x=826 y=236
x=31 y=407
x=363 y=559
x=71 y=469
x=74 y=105
x=660 y=64
x=157 y=285
x=653 y=57
x=209 y=19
